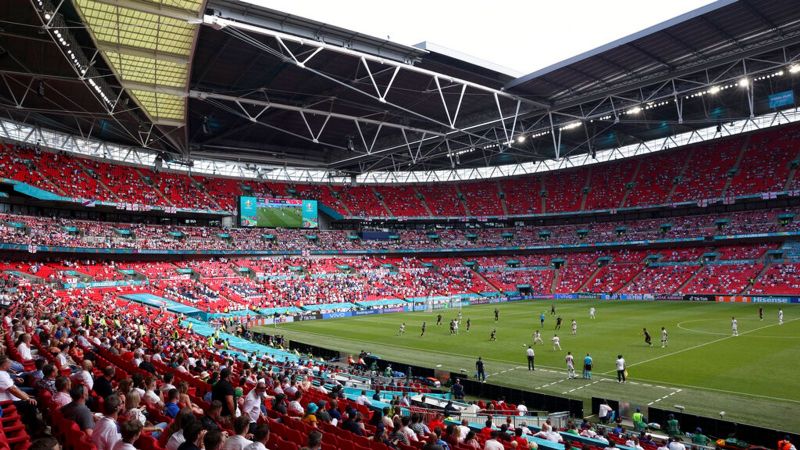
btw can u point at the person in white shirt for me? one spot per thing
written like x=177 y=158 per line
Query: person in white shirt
x=130 y=431
x=253 y=401
x=295 y=407
x=676 y=444
x=604 y=412
x=177 y=438
x=363 y=400
x=105 y=435
x=463 y=430
x=734 y=326
x=570 y=360
x=664 y=337
x=556 y=342
x=620 y=369
x=549 y=435
x=238 y=441
x=780 y=317
x=493 y=443
x=574 y=327
x=531 y=356
x=260 y=438
x=592 y=312
x=410 y=434
x=8 y=390
x=522 y=409
x=85 y=375
x=633 y=442
x=23 y=346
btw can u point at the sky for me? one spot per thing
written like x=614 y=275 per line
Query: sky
x=521 y=35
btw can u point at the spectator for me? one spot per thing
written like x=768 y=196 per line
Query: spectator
x=105 y=435
x=223 y=392
x=130 y=432
x=77 y=411
x=171 y=408
x=241 y=426
x=260 y=438
x=314 y=441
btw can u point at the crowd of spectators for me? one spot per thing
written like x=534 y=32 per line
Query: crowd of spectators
x=43 y=231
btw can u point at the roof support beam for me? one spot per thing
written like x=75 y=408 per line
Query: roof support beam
x=283 y=37
x=203 y=95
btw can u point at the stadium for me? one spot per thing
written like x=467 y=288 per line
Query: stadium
x=227 y=226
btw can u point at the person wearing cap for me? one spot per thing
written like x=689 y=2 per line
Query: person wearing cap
x=698 y=438
x=673 y=427
x=223 y=392
x=311 y=411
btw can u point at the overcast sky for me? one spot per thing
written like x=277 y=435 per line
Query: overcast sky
x=523 y=36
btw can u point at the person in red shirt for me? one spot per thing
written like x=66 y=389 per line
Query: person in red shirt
x=437 y=422
x=520 y=439
x=486 y=431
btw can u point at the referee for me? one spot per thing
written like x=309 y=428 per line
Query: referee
x=530 y=358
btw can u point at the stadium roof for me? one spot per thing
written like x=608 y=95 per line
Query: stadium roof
x=237 y=82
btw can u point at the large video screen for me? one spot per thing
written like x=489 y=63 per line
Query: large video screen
x=277 y=213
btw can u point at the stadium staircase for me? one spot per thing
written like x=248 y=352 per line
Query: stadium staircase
x=463 y=201
x=423 y=202
x=687 y=158
x=50 y=182
x=792 y=174
x=380 y=200
x=640 y=273
x=487 y=281
x=201 y=187
x=154 y=186
x=590 y=279
x=632 y=180
x=502 y=198
x=586 y=189
x=556 y=280
x=689 y=280
x=543 y=200
x=341 y=203
x=742 y=151
x=96 y=178
x=758 y=276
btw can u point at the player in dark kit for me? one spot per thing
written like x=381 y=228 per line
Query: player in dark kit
x=469 y=323
x=647 y=337
x=423 y=329
x=480 y=372
x=439 y=319
x=760 y=313
x=493 y=336
x=553 y=309
x=496 y=314
x=558 y=323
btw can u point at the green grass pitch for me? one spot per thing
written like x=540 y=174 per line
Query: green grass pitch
x=288 y=217
x=751 y=377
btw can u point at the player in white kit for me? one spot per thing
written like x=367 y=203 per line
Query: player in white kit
x=664 y=337
x=574 y=327
x=556 y=342
x=537 y=337
x=570 y=365
x=734 y=326
x=591 y=312
x=780 y=317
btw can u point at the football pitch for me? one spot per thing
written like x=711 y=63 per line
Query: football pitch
x=704 y=368
x=287 y=217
